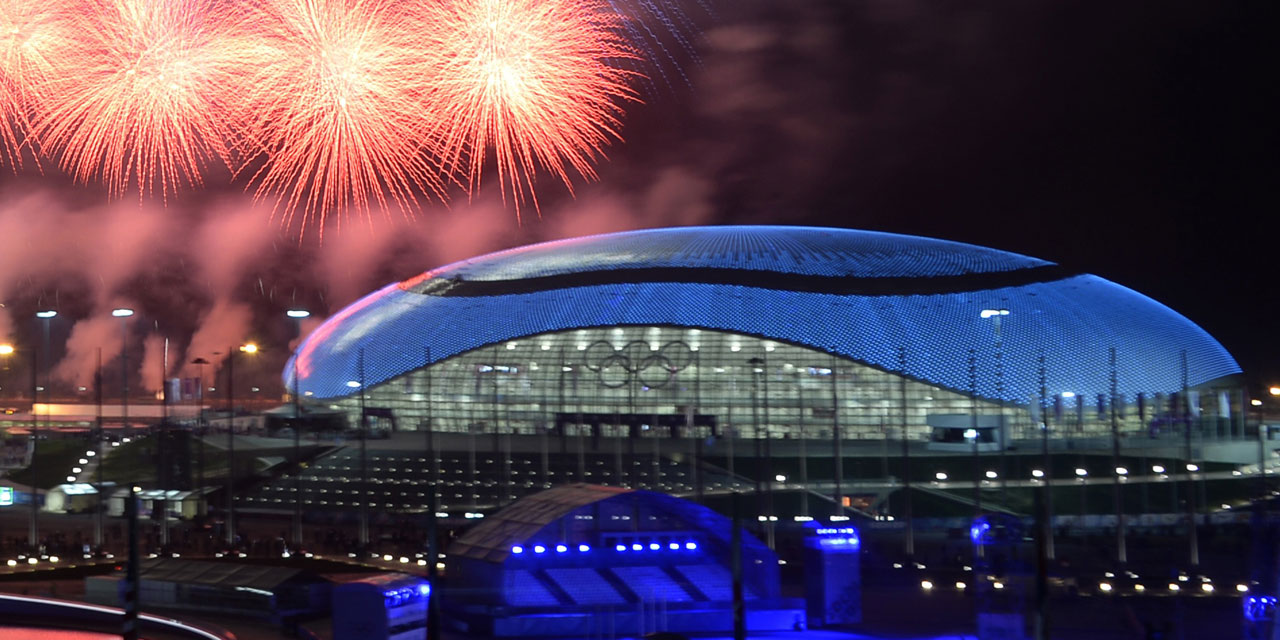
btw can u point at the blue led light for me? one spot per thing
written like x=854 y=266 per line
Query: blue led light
x=517 y=549
x=653 y=546
x=539 y=549
x=691 y=546
x=621 y=547
x=583 y=548
x=637 y=547
x=561 y=548
x=1259 y=608
x=1073 y=321
x=674 y=546
x=978 y=530
x=424 y=589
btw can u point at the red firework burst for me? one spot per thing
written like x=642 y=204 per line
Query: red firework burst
x=535 y=82
x=29 y=36
x=339 y=107
x=140 y=95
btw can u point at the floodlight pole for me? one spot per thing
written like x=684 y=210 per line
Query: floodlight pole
x=231 y=448
x=364 y=464
x=909 y=542
x=1122 y=555
x=98 y=513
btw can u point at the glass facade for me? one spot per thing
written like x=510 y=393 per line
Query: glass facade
x=677 y=382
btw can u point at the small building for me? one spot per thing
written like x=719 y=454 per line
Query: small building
x=270 y=593
x=77 y=497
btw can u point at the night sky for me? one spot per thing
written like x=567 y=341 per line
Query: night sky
x=1136 y=141
x=1131 y=140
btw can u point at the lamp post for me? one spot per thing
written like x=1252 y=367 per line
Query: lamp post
x=995 y=315
x=124 y=315
x=249 y=348
x=200 y=427
x=298 y=316
x=44 y=316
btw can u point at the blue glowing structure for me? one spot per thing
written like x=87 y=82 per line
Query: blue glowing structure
x=856 y=294
x=381 y=607
x=1259 y=608
x=833 y=574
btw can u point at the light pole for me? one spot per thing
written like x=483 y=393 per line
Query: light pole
x=298 y=316
x=200 y=503
x=124 y=314
x=249 y=348
x=45 y=317
x=995 y=315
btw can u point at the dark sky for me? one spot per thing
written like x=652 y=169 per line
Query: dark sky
x=1136 y=141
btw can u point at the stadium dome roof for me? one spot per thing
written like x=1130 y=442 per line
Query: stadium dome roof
x=875 y=298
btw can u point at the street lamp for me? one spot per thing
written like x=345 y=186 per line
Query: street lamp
x=249 y=348
x=124 y=315
x=45 y=316
x=298 y=316
x=200 y=427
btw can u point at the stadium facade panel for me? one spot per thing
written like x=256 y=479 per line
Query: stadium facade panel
x=760 y=329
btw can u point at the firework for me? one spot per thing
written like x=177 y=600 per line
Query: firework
x=142 y=94
x=339 y=106
x=29 y=35
x=537 y=83
x=664 y=31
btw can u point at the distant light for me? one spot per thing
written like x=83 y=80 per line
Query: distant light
x=583 y=548
x=1173 y=586
x=1156 y=468
x=926 y=585
x=1242 y=588
x=1275 y=390
x=561 y=548
x=122 y=313
x=970 y=434
x=992 y=475
x=1139 y=588
x=941 y=475
x=517 y=549
x=1068 y=394
x=691 y=545
x=298 y=313
x=998 y=585
x=674 y=546
x=424 y=589
x=539 y=549
x=1037 y=473
x=1082 y=472
x=780 y=478
x=1191 y=466
x=6 y=349
x=1256 y=402
x=1206 y=587
x=991 y=313
x=1105 y=587
x=354 y=384
x=71 y=478
x=249 y=347
x=51 y=313
x=637 y=547
x=620 y=547
x=653 y=546
x=1121 y=471
x=960 y=585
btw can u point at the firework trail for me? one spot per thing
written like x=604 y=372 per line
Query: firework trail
x=675 y=24
x=339 y=104
x=536 y=82
x=29 y=34
x=142 y=94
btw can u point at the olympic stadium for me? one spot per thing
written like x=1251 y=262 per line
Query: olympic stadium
x=697 y=358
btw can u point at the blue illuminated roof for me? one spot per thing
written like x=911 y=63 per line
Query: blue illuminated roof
x=856 y=294
x=795 y=250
